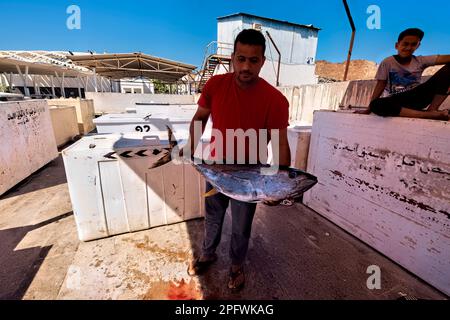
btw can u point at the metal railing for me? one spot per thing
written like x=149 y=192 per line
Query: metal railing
x=215 y=47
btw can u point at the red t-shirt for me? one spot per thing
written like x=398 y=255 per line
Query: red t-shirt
x=260 y=106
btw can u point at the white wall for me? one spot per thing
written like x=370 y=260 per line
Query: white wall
x=113 y=102
x=290 y=75
x=145 y=86
x=305 y=99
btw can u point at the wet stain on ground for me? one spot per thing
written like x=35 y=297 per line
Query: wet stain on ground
x=170 y=255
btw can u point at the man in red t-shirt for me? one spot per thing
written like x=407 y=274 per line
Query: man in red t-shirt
x=238 y=101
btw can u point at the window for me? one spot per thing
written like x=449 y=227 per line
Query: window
x=256 y=26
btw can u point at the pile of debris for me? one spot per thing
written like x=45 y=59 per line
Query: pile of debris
x=358 y=70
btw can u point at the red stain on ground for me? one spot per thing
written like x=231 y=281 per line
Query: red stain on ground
x=183 y=291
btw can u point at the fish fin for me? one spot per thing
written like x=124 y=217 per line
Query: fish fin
x=163 y=160
x=211 y=192
x=172 y=141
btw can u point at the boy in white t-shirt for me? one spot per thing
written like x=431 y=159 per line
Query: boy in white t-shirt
x=399 y=82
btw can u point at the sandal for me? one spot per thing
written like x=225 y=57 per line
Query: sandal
x=198 y=267
x=236 y=279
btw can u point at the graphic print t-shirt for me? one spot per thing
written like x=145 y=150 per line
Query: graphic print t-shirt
x=403 y=77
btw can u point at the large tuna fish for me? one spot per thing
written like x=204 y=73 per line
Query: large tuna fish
x=249 y=183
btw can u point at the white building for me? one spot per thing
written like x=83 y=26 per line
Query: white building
x=297 y=44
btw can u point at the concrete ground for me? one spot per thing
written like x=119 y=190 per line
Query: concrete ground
x=294 y=254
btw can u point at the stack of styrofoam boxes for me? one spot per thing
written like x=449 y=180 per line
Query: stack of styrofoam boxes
x=113 y=190
x=151 y=122
x=27 y=141
x=298 y=139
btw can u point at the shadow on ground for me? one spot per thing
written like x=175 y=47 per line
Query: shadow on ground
x=19 y=267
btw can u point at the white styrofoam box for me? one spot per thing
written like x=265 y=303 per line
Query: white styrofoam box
x=113 y=190
x=387 y=182
x=64 y=122
x=27 y=141
x=181 y=111
x=122 y=123
x=115 y=102
x=298 y=138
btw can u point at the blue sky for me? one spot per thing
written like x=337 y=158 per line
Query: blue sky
x=180 y=30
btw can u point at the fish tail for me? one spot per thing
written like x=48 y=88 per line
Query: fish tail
x=211 y=192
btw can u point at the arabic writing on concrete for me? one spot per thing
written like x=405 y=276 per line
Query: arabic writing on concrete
x=23 y=116
x=406 y=160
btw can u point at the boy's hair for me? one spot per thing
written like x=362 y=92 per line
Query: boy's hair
x=411 y=32
x=252 y=37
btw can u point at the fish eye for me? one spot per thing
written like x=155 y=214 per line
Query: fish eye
x=292 y=174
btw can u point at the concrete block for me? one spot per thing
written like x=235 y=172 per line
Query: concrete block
x=64 y=122
x=387 y=182
x=84 y=109
x=27 y=140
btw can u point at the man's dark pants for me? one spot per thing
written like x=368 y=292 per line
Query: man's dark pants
x=242 y=217
x=417 y=98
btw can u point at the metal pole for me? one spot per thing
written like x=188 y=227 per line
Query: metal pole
x=53 y=86
x=25 y=81
x=279 y=57
x=79 y=87
x=349 y=15
x=95 y=81
x=36 y=85
x=62 y=86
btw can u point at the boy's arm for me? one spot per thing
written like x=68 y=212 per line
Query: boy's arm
x=443 y=59
x=379 y=88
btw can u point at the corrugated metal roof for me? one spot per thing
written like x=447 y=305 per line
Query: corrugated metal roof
x=40 y=62
x=123 y=65
x=309 y=26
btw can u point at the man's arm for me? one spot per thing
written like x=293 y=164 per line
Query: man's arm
x=284 y=158
x=202 y=115
x=443 y=59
